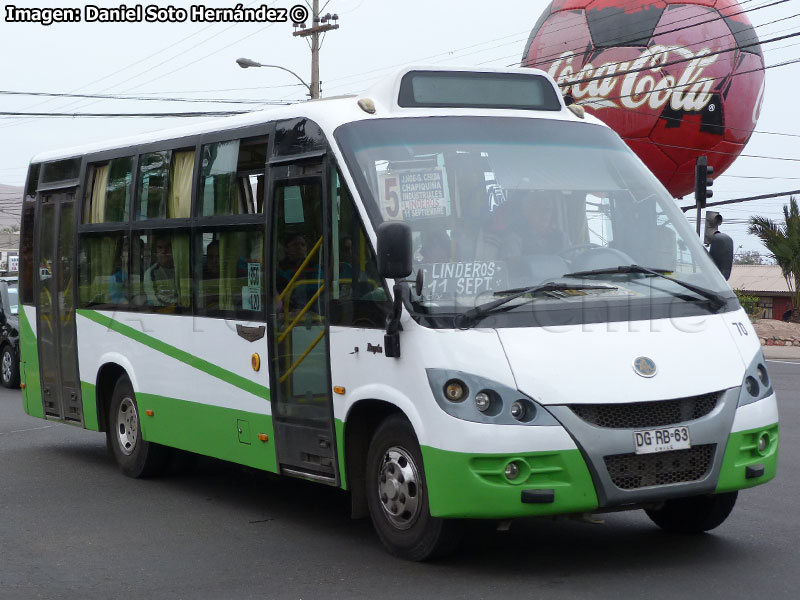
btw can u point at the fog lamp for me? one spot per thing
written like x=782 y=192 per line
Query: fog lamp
x=512 y=471
x=763 y=442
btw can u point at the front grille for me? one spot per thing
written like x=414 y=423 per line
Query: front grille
x=646 y=414
x=634 y=471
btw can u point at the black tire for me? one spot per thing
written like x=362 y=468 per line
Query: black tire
x=695 y=514
x=135 y=457
x=9 y=368
x=411 y=532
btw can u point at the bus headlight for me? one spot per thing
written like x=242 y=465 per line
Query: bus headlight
x=763 y=376
x=483 y=401
x=455 y=390
x=471 y=397
x=518 y=410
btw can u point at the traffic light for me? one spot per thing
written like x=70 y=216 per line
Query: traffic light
x=713 y=221
x=702 y=181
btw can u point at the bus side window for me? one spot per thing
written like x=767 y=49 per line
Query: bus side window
x=103 y=270
x=230 y=272
x=108 y=191
x=232 y=177
x=359 y=298
x=160 y=274
x=165 y=185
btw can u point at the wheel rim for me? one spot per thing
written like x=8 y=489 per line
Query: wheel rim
x=398 y=488
x=7 y=366
x=127 y=426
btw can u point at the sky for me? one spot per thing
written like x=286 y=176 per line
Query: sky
x=196 y=60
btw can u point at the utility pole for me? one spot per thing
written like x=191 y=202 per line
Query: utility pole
x=318 y=27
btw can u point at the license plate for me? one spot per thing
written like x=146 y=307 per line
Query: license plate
x=661 y=440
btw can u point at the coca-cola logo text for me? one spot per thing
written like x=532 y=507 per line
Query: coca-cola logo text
x=642 y=81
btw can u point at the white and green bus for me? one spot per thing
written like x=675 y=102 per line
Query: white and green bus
x=453 y=296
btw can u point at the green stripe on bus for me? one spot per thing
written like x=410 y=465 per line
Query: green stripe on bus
x=178 y=354
x=742 y=452
x=474 y=486
x=225 y=433
x=29 y=367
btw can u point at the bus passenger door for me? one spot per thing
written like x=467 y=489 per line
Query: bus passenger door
x=300 y=393
x=58 y=358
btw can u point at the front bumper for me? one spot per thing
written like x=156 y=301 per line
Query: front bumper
x=465 y=485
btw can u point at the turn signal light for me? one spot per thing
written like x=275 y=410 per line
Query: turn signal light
x=263 y=437
x=149 y=412
x=22 y=386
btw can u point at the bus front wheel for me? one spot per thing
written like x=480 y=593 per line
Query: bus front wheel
x=695 y=514
x=135 y=456
x=397 y=496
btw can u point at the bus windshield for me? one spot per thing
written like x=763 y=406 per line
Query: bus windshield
x=500 y=204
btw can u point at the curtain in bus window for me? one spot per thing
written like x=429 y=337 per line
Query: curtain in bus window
x=97 y=268
x=97 y=203
x=180 y=185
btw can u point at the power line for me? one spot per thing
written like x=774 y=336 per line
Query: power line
x=711 y=151
x=218 y=113
x=144 y=98
x=748 y=199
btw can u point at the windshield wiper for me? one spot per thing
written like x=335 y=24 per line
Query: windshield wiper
x=469 y=318
x=716 y=299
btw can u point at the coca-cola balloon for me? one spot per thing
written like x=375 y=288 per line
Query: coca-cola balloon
x=676 y=79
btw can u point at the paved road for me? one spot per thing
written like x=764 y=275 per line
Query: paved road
x=72 y=527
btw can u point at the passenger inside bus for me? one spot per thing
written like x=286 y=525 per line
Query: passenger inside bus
x=118 y=282
x=436 y=246
x=159 y=278
x=211 y=276
x=533 y=227
x=296 y=251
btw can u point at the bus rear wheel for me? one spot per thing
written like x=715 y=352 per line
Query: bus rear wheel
x=695 y=514
x=135 y=456
x=397 y=496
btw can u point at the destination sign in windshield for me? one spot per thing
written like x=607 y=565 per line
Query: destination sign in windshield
x=413 y=194
x=449 y=279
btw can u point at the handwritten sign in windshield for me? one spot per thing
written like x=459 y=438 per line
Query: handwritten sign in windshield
x=450 y=279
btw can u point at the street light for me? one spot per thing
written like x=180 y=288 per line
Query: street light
x=246 y=62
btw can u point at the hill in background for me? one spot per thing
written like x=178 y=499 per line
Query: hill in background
x=10 y=204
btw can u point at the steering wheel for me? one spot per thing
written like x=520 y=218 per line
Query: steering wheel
x=572 y=249
x=595 y=257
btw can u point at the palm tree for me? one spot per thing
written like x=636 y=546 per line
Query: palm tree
x=783 y=242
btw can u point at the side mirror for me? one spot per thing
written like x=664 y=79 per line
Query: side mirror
x=394 y=250
x=721 y=252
